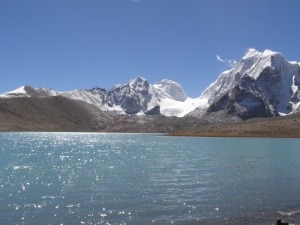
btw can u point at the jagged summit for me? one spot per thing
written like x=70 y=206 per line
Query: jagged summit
x=138 y=81
x=250 y=53
x=253 y=53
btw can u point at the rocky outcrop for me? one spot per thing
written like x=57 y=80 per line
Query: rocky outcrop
x=132 y=97
x=154 y=111
x=244 y=101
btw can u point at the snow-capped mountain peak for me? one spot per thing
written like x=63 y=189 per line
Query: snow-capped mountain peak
x=139 y=83
x=251 y=53
x=170 y=89
x=28 y=91
x=260 y=84
x=21 y=91
x=251 y=65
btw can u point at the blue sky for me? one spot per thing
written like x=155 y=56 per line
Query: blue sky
x=69 y=44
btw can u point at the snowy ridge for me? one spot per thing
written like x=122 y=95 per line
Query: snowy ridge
x=83 y=96
x=137 y=96
x=27 y=91
x=19 y=92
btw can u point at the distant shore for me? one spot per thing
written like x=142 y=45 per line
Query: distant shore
x=279 y=127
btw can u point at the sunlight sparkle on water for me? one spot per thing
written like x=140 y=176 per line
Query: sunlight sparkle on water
x=88 y=178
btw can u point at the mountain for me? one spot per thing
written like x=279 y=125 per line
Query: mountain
x=261 y=84
x=137 y=96
x=134 y=97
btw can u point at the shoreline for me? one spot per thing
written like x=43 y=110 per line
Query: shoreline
x=229 y=135
x=174 y=134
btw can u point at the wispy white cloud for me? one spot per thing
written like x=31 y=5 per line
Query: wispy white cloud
x=229 y=62
x=219 y=58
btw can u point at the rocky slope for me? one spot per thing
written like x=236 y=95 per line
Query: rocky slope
x=50 y=114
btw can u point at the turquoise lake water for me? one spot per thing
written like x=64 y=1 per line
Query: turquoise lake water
x=83 y=178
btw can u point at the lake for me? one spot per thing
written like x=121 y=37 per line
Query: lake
x=94 y=178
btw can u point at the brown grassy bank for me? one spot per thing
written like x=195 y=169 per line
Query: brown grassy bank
x=279 y=127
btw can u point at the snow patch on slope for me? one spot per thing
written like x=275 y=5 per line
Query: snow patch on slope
x=170 y=107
